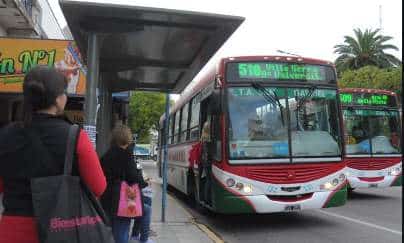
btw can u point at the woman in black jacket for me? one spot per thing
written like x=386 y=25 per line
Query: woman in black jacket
x=119 y=165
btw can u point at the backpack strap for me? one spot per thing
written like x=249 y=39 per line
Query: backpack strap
x=70 y=149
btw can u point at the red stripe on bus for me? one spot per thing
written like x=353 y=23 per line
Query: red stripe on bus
x=395 y=179
x=242 y=197
x=371 y=179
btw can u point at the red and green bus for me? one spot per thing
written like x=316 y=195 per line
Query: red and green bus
x=372 y=137
x=274 y=143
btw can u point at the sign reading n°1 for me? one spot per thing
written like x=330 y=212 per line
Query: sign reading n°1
x=19 y=56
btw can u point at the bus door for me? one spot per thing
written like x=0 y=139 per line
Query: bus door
x=210 y=138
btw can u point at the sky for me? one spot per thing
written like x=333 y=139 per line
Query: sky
x=309 y=28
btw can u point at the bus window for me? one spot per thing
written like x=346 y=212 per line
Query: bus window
x=372 y=131
x=184 y=123
x=171 y=128
x=177 y=127
x=194 y=123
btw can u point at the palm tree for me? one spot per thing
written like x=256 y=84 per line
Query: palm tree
x=366 y=48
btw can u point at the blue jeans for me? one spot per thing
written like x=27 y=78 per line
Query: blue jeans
x=142 y=225
x=120 y=229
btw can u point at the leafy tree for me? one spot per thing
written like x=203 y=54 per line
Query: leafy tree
x=145 y=110
x=366 y=48
x=374 y=78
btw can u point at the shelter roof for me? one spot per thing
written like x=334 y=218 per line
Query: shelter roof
x=146 y=48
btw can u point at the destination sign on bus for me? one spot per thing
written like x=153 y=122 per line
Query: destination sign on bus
x=367 y=99
x=273 y=71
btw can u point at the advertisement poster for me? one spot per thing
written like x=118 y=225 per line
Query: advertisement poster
x=18 y=56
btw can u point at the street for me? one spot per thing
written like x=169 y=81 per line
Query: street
x=370 y=215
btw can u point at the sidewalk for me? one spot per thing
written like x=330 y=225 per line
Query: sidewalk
x=179 y=226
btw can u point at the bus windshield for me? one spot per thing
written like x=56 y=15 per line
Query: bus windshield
x=370 y=131
x=264 y=123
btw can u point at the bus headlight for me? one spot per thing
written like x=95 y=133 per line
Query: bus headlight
x=248 y=188
x=230 y=182
x=335 y=182
x=326 y=186
x=342 y=177
x=239 y=186
x=332 y=184
x=394 y=172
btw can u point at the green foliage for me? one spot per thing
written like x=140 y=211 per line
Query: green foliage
x=145 y=110
x=366 y=48
x=373 y=77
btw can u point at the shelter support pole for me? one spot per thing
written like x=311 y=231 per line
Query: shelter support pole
x=90 y=118
x=104 y=117
x=165 y=159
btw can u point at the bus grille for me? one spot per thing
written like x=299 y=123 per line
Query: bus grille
x=371 y=165
x=289 y=175
x=290 y=198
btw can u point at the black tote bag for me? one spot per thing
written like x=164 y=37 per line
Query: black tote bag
x=65 y=209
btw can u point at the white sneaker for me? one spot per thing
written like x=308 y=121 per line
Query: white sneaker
x=135 y=238
x=148 y=241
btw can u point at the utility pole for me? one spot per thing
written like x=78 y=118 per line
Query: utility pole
x=380 y=18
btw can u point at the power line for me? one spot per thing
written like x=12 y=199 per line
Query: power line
x=288 y=53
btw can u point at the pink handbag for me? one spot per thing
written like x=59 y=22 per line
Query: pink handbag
x=130 y=201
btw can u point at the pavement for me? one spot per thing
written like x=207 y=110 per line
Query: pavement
x=179 y=225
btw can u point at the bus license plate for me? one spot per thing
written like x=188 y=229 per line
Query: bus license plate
x=292 y=208
x=372 y=185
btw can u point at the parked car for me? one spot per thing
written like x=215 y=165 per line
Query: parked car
x=141 y=153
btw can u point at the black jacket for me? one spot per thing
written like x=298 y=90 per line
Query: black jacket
x=21 y=159
x=118 y=165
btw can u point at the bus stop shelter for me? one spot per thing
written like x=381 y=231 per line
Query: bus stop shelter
x=140 y=48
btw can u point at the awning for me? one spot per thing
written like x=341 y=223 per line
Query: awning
x=148 y=48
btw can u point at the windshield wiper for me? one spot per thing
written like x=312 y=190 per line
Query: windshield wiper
x=271 y=98
x=305 y=98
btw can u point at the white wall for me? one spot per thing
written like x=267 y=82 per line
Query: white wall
x=2 y=31
x=48 y=21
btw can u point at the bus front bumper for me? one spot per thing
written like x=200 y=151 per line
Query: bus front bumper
x=387 y=177
x=374 y=182
x=228 y=203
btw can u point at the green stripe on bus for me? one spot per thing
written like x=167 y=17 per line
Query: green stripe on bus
x=228 y=203
x=398 y=181
x=338 y=199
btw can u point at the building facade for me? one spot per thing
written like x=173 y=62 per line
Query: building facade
x=28 y=19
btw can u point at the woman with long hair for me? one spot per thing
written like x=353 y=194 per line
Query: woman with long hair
x=44 y=90
x=119 y=165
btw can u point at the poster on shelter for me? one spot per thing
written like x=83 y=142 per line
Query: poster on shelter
x=18 y=56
